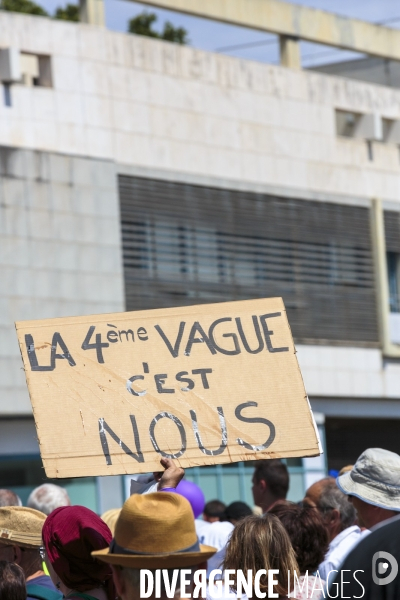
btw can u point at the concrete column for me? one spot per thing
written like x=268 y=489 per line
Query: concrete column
x=381 y=278
x=92 y=12
x=289 y=52
x=109 y=493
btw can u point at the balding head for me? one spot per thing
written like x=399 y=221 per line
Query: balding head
x=9 y=498
x=48 y=497
x=313 y=494
x=337 y=511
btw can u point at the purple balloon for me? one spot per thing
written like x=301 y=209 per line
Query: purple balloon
x=194 y=494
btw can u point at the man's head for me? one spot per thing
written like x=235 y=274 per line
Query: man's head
x=21 y=537
x=237 y=511
x=373 y=486
x=48 y=497
x=270 y=482
x=153 y=531
x=214 y=511
x=9 y=498
x=337 y=512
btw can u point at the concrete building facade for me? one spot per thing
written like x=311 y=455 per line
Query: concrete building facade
x=104 y=112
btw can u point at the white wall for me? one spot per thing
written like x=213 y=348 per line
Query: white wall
x=146 y=102
x=120 y=99
x=336 y=372
x=60 y=251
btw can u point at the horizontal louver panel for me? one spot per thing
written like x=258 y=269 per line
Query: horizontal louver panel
x=187 y=244
x=392 y=230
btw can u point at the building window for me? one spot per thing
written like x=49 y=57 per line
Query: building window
x=346 y=123
x=393 y=264
x=24 y=68
x=348 y=437
x=35 y=70
x=391 y=131
x=392 y=240
x=22 y=474
x=189 y=244
x=7 y=94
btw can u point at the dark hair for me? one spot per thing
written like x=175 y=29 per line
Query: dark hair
x=275 y=474
x=215 y=508
x=238 y=510
x=307 y=533
x=12 y=581
x=9 y=498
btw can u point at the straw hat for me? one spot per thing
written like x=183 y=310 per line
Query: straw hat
x=155 y=531
x=374 y=478
x=21 y=526
x=110 y=518
x=345 y=469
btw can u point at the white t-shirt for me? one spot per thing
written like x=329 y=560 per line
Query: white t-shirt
x=339 y=548
x=215 y=562
x=218 y=534
x=201 y=528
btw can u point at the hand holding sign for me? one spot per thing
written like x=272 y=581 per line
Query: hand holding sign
x=200 y=385
x=171 y=476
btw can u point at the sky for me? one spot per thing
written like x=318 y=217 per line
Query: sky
x=247 y=43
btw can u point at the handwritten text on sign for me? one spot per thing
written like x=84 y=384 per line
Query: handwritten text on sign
x=203 y=385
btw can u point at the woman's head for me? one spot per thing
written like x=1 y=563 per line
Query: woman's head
x=12 y=581
x=307 y=533
x=262 y=543
x=70 y=534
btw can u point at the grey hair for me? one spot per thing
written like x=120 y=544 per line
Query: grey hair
x=9 y=498
x=332 y=497
x=48 y=497
x=132 y=578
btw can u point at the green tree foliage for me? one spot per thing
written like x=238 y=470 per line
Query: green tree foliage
x=23 y=6
x=69 y=13
x=174 y=34
x=143 y=25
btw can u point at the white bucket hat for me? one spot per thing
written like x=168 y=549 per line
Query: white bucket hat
x=375 y=478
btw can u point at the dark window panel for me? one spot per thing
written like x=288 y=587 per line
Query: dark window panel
x=187 y=244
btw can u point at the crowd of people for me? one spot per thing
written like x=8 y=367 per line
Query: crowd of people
x=51 y=550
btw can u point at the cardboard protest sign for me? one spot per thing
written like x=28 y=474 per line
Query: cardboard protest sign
x=206 y=384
